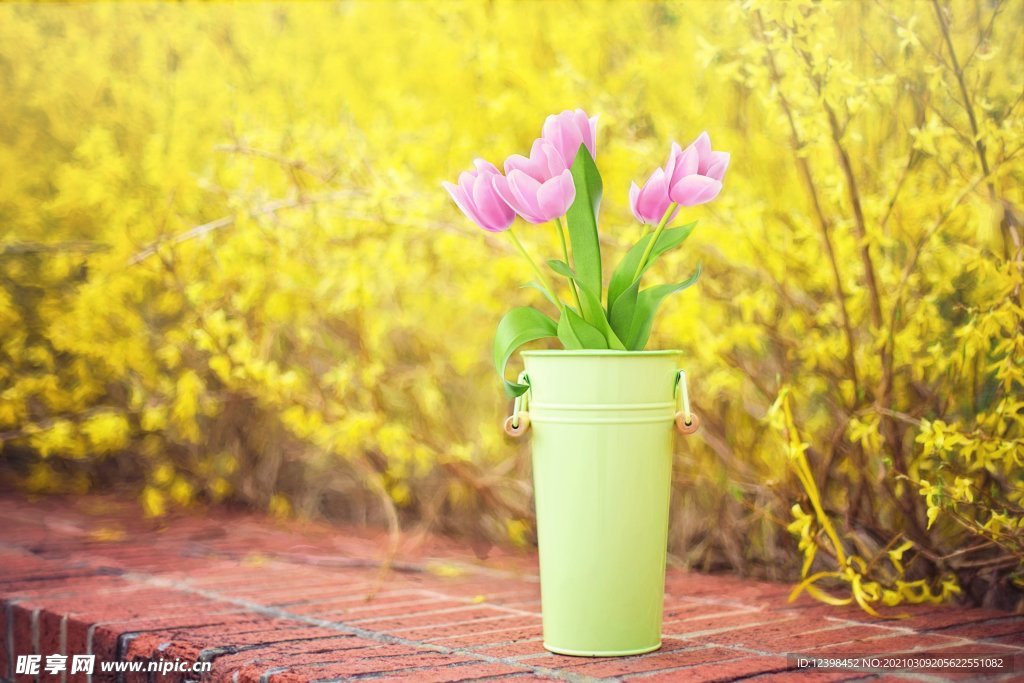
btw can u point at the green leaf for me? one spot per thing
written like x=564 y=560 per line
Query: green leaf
x=622 y=277
x=577 y=333
x=647 y=304
x=562 y=268
x=533 y=284
x=582 y=220
x=623 y=308
x=592 y=311
x=519 y=326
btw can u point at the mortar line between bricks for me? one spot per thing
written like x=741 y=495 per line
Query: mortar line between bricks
x=362 y=602
x=712 y=615
x=35 y=634
x=211 y=653
x=858 y=676
x=485 y=621
x=444 y=610
x=717 y=602
x=960 y=641
x=740 y=651
x=901 y=630
x=64 y=645
x=369 y=674
x=264 y=610
x=740 y=657
x=285 y=589
x=492 y=632
x=718 y=631
x=511 y=610
x=973 y=623
x=906 y=631
x=363 y=605
x=372 y=675
x=9 y=618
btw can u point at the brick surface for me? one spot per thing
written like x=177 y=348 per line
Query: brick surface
x=270 y=602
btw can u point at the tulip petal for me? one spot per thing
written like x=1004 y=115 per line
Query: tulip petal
x=548 y=157
x=500 y=185
x=688 y=163
x=463 y=201
x=556 y=196
x=523 y=191
x=484 y=166
x=654 y=200
x=567 y=130
x=494 y=213
x=695 y=189
x=673 y=157
x=717 y=166
x=634 y=193
x=703 y=146
x=517 y=162
x=592 y=140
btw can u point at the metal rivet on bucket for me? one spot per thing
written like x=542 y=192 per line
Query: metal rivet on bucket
x=519 y=421
x=687 y=421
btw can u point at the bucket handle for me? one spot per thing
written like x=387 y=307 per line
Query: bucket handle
x=687 y=421
x=518 y=422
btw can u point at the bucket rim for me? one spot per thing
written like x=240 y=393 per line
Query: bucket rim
x=599 y=352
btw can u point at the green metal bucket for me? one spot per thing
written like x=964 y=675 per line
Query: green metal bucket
x=602 y=464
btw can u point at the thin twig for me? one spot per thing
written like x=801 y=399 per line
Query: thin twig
x=823 y=222
x=224 y=221
x=83 y=246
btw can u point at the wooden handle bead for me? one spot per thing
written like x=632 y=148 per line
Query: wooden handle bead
x=524 y=424
x=687 y=428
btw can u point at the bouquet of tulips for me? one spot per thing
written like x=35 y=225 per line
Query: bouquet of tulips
x=559 y=182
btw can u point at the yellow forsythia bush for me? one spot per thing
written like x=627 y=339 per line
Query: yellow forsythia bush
x=228 y=270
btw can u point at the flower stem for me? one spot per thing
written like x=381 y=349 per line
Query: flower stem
x=565 y=254
x=540 y=275
x=654 y=240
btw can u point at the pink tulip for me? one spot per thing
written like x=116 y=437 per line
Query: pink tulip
x=650 y=202
x=539 y=188
x=476 y=197
x=568 y=130
x=695 y=174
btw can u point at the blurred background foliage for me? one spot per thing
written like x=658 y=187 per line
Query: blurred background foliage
x=228 y=273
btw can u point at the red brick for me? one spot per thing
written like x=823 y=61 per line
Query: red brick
x=723 y=671
x=889 y=645
x=343 y=604
x=1012 y=640
x=528 y=647
x=366 y=617
x=368 y=665
x=456 y=672
x=797 y=642
x=23 y=617
x=189 y=643
x=252 y=663
x=480 y=627
x=656 y=661
x=992 y=628
x=937 y=617
x=808 y=676
x=6 y=631
x=691 y=611
x=50 y=637
x=747 y=630
x=491 y=637
x=461 y=613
